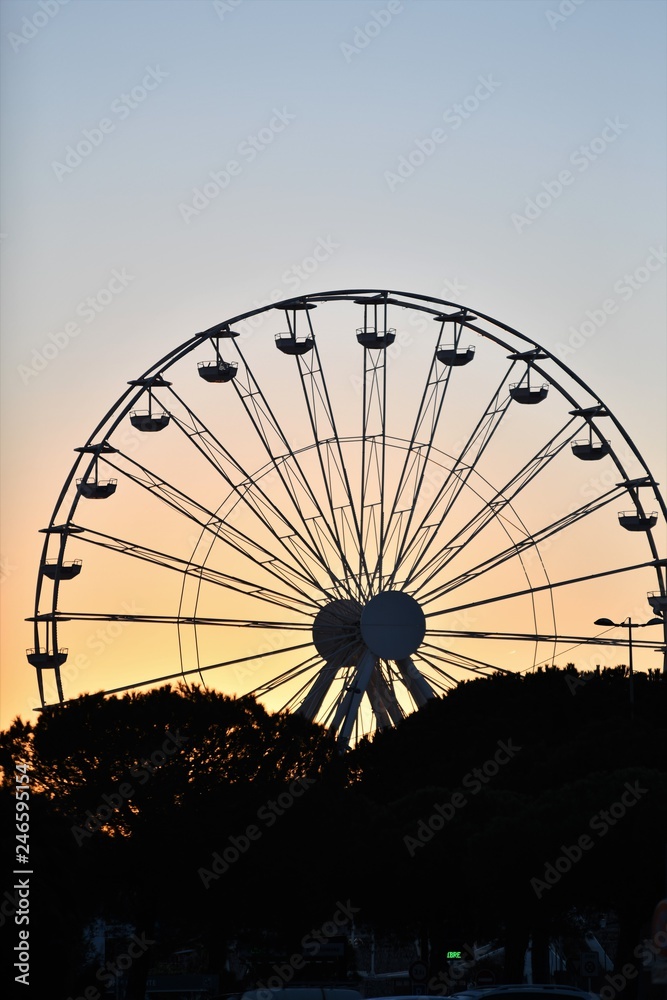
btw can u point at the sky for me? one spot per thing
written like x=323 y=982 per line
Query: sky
x=168 y=165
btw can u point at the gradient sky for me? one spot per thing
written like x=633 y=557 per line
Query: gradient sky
x=580 y=96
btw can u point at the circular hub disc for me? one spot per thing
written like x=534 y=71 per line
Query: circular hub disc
x=336 y=630
x=393 y=625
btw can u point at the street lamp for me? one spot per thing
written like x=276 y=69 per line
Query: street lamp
x=629 y=624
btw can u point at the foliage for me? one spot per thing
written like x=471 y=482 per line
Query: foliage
x=133 y=798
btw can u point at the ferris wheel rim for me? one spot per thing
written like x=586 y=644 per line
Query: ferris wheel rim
x=128 y=399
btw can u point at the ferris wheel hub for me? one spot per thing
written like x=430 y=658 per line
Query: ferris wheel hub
x=336 y=634
x=393 y=625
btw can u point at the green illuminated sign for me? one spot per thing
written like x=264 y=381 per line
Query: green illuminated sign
x=453 y=954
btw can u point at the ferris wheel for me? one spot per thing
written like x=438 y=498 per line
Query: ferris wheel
x=345 y=503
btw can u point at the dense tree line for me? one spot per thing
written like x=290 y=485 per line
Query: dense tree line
x=193 y=818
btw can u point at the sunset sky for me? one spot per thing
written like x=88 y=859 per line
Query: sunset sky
x=168 y=165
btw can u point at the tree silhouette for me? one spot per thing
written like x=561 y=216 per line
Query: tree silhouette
x=186 y=817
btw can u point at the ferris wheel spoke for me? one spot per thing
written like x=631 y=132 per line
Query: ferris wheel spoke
x=242 y=586
x=579 y=640
x=113 y=616
x=249 y=490
x=416 y=459
x=426 y=423
x=374 y=338
x=340 y=655
x=295 y=700
x=470 y=663
x=457 y=477
x=516 y=549
x=216 y=525
x=541 y=587
x=435 y=682
x=331 y=667
x=328 y=445
x=287 y=676
x=179 y=675
x=255 y=657
x=493 y=508
x=294 y=480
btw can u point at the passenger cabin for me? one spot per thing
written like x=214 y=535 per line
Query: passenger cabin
x=455 y=356
x=658 y=602
x=96 y=490
x=632 y=520
x=590 y=451
x=528 y=393
x=42 y=658
x=372 y=339
x=61 y=571
x=217 y=371
x=288 y=344
x=146 y=421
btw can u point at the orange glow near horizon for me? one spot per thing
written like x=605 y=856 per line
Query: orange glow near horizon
x=455 y=573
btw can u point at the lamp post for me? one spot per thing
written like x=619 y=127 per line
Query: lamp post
x=629 y=624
